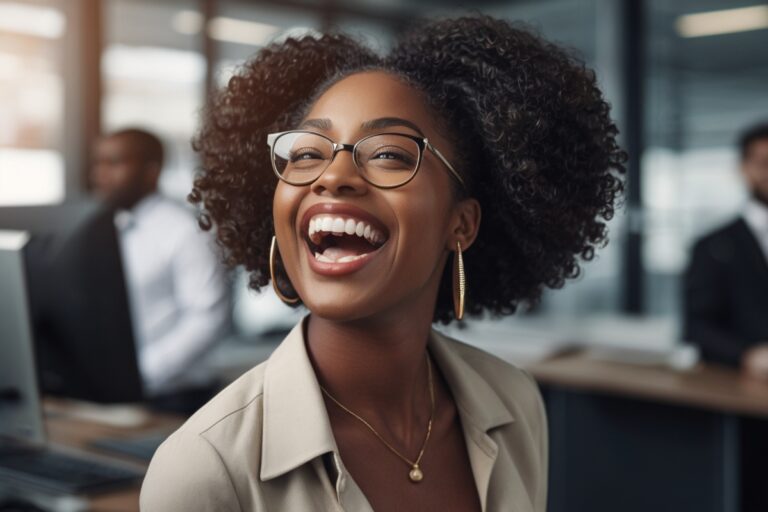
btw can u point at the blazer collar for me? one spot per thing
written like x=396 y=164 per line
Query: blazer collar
x=296 y=426
x=477 y=401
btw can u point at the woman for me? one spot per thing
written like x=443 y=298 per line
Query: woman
x=373 y=174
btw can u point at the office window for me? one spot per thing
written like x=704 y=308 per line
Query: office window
x=706 y=82
x=154 y=77
x=31 y=102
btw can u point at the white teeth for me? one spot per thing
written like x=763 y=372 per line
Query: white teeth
x=340 y=226
x=345 y=259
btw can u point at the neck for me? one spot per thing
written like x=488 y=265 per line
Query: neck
x=375 y=367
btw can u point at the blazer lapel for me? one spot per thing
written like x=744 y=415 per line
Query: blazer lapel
x=758 y=260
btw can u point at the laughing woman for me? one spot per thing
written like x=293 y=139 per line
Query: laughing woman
x=461 y=173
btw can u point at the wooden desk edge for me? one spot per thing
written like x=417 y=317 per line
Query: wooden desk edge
x=707 y=386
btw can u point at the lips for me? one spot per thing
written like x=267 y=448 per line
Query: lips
x=341 y=237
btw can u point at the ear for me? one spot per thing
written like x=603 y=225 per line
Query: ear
x=464 y=224
x=152 y=174
x=748 y=175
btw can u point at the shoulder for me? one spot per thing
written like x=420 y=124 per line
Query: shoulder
x=718 y=245
x=202 y=450
x=173 y=214
x=186 y=473
x=722 y=233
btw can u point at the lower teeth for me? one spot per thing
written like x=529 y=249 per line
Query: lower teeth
x=343 y=259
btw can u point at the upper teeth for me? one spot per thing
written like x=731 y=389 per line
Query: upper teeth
x=341 y=225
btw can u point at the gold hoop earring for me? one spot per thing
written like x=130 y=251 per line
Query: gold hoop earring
x=459 y=283
x=285 y=299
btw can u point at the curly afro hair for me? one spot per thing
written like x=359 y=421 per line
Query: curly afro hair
x=530 y=128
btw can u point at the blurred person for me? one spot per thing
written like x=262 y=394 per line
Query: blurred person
x=178 y=289
x=354 y=184
x=726 y=282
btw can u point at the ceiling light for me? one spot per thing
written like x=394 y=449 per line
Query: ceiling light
x=725 y=21
x=230 y=30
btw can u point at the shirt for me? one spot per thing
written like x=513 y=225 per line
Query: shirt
x=263 y=443
x=180 y=301
x=756 y=217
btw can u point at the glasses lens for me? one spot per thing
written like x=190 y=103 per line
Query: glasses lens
x=388 y=160
x=300 y=157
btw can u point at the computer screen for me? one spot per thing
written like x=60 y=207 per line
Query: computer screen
x=79 y=303
x=20 y=413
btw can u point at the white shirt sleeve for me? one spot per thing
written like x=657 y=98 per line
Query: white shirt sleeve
x=202 y=296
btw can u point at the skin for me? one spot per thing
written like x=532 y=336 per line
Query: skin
x=120 y=174
x=754 y=168
x=368 y=330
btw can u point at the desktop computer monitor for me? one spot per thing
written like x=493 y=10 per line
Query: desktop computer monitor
x=20 y=413
x=79 y=303
x=26 y=460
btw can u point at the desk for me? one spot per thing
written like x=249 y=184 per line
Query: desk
x=634 y=438
x=66 y=430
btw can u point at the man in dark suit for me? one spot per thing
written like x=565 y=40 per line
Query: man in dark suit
x=726 y=282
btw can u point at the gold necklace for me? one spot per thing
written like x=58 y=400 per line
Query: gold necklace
x=415 y=474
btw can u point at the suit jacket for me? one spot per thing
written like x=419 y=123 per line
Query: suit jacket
x=726 y=293
x=266 y=443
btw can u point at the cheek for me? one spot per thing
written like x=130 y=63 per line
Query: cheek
x=285 y=205
x=121 y=176
x=422 y=223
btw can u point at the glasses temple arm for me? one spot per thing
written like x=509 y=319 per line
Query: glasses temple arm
x=447 y=164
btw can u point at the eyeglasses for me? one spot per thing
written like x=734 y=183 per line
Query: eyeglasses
x=385 y=160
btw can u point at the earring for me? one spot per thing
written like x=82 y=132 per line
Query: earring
x=285 y=299
x=459 y=283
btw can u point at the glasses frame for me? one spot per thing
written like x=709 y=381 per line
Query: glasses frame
x=421 y=142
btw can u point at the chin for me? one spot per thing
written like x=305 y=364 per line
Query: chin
x=340 y=307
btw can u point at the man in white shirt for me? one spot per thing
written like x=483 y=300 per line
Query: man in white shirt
x=178 y=289
x=726 y=283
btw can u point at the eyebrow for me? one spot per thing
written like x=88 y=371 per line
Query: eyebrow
x=373 y=124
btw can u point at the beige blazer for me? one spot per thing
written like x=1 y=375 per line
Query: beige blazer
x=265 y=442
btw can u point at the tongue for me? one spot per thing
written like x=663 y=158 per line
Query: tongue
x=347 y=246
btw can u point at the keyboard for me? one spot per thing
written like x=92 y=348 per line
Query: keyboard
x=140 y=447
x=62 y=472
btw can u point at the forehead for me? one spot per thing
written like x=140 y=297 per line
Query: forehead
x=758 y=146
x=370 y=95
x=117 y=146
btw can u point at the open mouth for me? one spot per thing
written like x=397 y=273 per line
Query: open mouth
x=343 y=239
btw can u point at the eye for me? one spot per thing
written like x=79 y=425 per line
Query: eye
x=393 y=153
x=305 y=154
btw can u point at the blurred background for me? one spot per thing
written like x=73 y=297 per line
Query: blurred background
x=684 y=79
x=681 y=87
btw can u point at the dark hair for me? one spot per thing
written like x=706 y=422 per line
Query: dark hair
x=530 y=128
x=751 y=135
x=148 y=144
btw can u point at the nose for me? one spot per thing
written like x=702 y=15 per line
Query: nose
x=341 y=177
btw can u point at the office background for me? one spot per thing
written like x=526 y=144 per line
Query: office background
x=683 y=77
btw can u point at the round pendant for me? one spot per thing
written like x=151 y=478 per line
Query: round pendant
x=416 y=475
